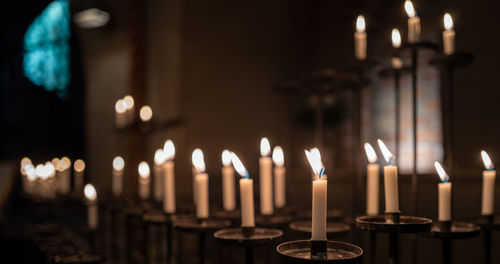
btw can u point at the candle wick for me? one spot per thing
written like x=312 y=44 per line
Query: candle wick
x=321 y=172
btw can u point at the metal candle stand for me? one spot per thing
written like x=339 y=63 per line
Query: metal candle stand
x=488 y=224
x=249 y=238
x=333 y=229
x=309 y=251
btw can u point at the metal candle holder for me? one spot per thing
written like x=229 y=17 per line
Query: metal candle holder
x=333 y=229
x=310 y=251
x=488 y=224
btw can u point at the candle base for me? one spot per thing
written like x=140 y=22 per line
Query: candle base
x=393 y=217
x=489 y=218
x=248 y=231
x=318 y=249
x=444 y=225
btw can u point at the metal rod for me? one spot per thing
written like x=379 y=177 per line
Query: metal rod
x=450 y=149
x=201 y=248
x=393 y=248
x=248 y=255
x=446 y=251
x=397 y=107
x=169 y=241
x=487 y=246
x=414 y=179
x=358 y=188
x=373 y=247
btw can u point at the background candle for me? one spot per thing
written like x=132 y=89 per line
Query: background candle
x=390 y=180
x=489 y=175
x=78 y=175
x=146 y=113
x=201 y=185
x=319 y=198
x=158 y=174
x=444 y=192
x=228 y=195
x=117 y=180
x=120 y=114
x=63 y=175
x=246 y=193
x=144 y=180
x=413 y=23
x=130 y=109
x=360 y=39
x=448 y=35
x=396 y=62
x=279 y=177
x=372 y=181
x=266 y=180
x=169 y=178
x=92 y=210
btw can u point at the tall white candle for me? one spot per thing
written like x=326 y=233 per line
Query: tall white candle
x=246 y=193
x=201 y=185
x=444 y=192
x=229 y=199
x=448 y=35
x=78 y=175
x=63 y=175
x=169 y=178
x=117 y=179
x=319 y=198
x=279 y=177
x=92 y=209
x=158 y=174
x=413 y=23
x=197 y=155
x=120 y=114
x=372 y=181
x=489 y=175
x=360 y=39
x=266 y=180
x=144 y=180
x=390 y=180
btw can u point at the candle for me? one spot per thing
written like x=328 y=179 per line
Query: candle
x=319 y=198
x=489 y=175
x=448 y=35
x=246 y=193
x=413 y=23
x=372 y=181
x=144 y=180
x=201 y=185
x=92 y=210
x=24 y=162
x=120 y=114
x=146 y=113
x=397 y=63
x=444 y=191
x=78 y=177
x=279 y=177
x=129 y=104
x=315 y=152
x=63 y=175
x=266 y=180
x=197 y=155
x=169 y=178
x=390 y=180
x=117 y=180
x=228 y=201
x=158 y=174
x=30 y=181
x=360 y=39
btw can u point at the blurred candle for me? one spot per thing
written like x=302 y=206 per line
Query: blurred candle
x=117 y=180
x=78 y=177
x=146 y=113
x=92 y=210
x=448 y=35
x=279 y=177
x=169 y=178
x=413 y=23
x=120 y=113
x=390 y=180
x=144 y=180
x=444 y=192
x=489 y=175
x=201 y=185
x=128 y=101
x=246 y=193
x=24 y=162
x=372 y=181
x=159 y=160
x=360 y=38
x=228 y=201
x=63 y=175
x=397 y=63
x=319 y=198
x=266 y=180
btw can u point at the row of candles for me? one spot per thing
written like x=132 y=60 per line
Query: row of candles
x=125 y=112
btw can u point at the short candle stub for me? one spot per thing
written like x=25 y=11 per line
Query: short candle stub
x=319 y=249
x=248 y=231
x=392 y=217
x=444 y=225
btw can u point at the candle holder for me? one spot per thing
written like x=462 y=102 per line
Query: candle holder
x=333 y=229
x=331 y=215
x=488 y=223
x=249 y=238
x=309 y=251
x=273 y=221
x=79 y=258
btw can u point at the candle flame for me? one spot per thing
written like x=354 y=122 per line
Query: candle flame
x=226 y=157
x=169 y=149
x=55 y=161
x=24 y=162
x=128 y=101
x=120 y=106
x=278 y=156
x=487 y=161
x=160 y=157
x=370 y=153
x=265 y=147
x=79 y=165
x=90 y=192
x=396 y=38
x=443 y=176
x=447 y=21
x=143 y=170
x=389 y=158
x=146 y=113
x=409 y=8
x=198 y=160
x=30 y=172
x=118 y=163
x=238 y=166
x=360 y=23
x=315 y=151
x=315 y=162
x=63 y=164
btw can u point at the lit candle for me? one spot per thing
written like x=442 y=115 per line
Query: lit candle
x=489 y=175
x=228 y=201
x=117 y=180
x=397 y=63
x=31 y=177
x=319 y=198
x=315 y=152
x=169 y=178
x=92 y=210
x=130 y=109
x=144 y=180
x=246 y=193
x=279 y=177
x=448 y=35
x=201 y=185
x=444 y=191
x=390 y=180
x=360 y=39
x=413 y=23
x=196 y=155
x=78 y=177
x=159 y=160
x=63 y=175
x=266 y=180
x=146 y=113
x=120 y=113
x=24 y=162
x=372 y=181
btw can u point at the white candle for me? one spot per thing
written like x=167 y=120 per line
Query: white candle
x=246 y=193
x=117 y=179
x=396 y=62
x=63 y=175
x=120 y=114
x=158 y=174
x=79 y=176
x=228 y=201
x=279 y=177
x=266 y=180
x=489 y=175
x=448 y=35
x=92 y=209
x=169 y=178
x=360 y=39
x=201 y=185
x=444 y=192
x=130 y=109
x=30 y=179
x=144 y=180
x=319 y=198
x=372 y=181
x=390 y=180
x=413 y=23
x=146 y=113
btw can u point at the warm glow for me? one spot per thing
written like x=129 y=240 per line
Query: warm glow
x=370 y=153
x=146 y=113
x=487 y=161
x=160 y=157
x=448 y=21
x=55 y=161
x=169 y=149
x=389 y=158
x=360 y=24
x=118 y=163
x=50 y=170
x=442 y=174
x=143 y=170
x=129 y=102
x=64 y=163
x=24 y=161
x=79 y=165
x=90 y=192
x=198 y=160
x=238 y=166
x=409 y=8
x=120 y=106
x=265 y=147
x=278 y=157
x=315 y=162
x=30 y=172
x=226 y=157
x=44 y=171
x=315 y=152
x=396 y=38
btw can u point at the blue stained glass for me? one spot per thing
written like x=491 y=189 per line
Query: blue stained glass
x=46 y=48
